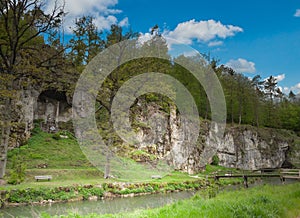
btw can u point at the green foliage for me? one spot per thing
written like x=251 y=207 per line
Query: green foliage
x=86 y=42
x=17 y=173
x=215 y=160
x=87 y=192
x=63 y=193
x=141 y=155
x=56 y=136
x=31 y=195
x=210 y=191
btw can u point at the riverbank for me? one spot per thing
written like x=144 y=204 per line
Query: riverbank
x=67 y=185
x=261 y=201
x=49 y=195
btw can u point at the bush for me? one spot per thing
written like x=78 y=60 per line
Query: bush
x=56 y=136
x=215 y=160
x=17 y=174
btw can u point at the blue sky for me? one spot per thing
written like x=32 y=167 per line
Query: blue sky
x=254 y=37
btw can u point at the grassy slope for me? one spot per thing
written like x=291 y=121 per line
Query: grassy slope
x=43 y=148
x=65 y=162
x=63 y=157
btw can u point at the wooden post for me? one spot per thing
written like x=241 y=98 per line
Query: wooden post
x=282 y=178
x=245 y=181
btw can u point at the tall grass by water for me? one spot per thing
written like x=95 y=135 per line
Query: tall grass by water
x=261 y=201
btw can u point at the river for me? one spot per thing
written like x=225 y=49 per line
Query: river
x=115 y=205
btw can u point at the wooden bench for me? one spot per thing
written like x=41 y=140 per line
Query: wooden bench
x=156 y=177
x=47 y=177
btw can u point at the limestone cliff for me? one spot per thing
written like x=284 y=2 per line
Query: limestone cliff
x=49 y=106
x=161 y=135
x=243 y=147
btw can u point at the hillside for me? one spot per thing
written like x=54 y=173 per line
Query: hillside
x=60 y=151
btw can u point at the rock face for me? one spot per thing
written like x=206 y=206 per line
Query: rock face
x=164 y=135
x=247 y=149
x=49 y=106
x=52 y=107
x=243 y=147
x=24 y=106
x=167 y=136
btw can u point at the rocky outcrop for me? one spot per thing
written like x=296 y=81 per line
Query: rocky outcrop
x=23 y=116
x=243 y=147
x=49 y=106
x=247 y=148
x=52 y=107
x=163 y=134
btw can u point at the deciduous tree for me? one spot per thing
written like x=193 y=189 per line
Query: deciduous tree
x=22 y=22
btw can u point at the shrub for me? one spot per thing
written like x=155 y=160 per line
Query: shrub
x=96 y=192
x=17 y=174
x=56 y=136
x=215 y=160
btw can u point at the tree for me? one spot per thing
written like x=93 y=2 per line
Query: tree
x=230 y=85
x=21 y=24
x=118 y=76
x=257 y=86
x=270 y=86
x=292 y=96
x=279 y=94
x=86 y=42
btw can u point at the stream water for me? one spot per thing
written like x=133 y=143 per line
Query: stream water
x=115 y=205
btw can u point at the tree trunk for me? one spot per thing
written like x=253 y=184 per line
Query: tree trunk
x=256 y=111
x=108 y=156
x=240 y=111
x=107 y=166
x=5 y=132
x=206 y=109
x=57 y=115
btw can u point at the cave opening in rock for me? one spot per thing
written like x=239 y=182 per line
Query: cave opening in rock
x=52 y=107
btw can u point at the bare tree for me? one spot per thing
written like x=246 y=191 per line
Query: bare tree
x=22 y=22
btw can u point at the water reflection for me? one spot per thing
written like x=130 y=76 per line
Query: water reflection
x=99 y=207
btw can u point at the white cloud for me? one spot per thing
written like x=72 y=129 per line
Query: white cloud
x=144 y=37
x=124 y=22
x=297 y=13
x=242 y=66
x=295 y=89
x=101 y=10
x=191 y=53
x=215 y=43
x=202 y=31
x=279 y=78
x=286 y=89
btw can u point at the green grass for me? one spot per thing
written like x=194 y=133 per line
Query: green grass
x=68 y=165
x=68 y=177
x=262 y=201
x=60 y=177
x=42 y=148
